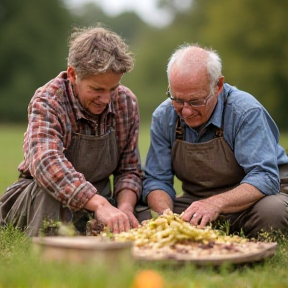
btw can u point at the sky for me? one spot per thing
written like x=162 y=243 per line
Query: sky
x=147 y=10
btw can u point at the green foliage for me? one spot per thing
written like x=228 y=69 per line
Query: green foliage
x=13 y=243
x=251 y=39
x=33 y=50
x=250 y=36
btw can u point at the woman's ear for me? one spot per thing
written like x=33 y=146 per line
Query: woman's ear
x=71 y=74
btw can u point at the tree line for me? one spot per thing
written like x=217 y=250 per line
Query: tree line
x=250 y=36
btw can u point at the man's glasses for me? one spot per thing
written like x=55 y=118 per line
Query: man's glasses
x=193 y=103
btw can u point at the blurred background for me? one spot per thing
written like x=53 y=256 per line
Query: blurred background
x=250 y=36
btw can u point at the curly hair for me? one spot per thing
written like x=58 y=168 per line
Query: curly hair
x=96 y=50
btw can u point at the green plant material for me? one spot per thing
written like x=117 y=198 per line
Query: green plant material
x=108 y=233
x=271 y=236
x=66 y=229
x=57 y=228
x=13 y=242
x=154 y=214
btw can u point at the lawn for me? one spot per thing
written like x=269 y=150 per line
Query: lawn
x=21 y=267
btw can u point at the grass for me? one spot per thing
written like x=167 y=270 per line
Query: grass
x=20 y=266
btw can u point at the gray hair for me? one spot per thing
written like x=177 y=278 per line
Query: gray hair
x=213 y=62
x=96 y=50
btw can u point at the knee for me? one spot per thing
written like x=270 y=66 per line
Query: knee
x=270 y=213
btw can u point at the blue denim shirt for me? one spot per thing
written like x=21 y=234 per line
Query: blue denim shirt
x=248 y=129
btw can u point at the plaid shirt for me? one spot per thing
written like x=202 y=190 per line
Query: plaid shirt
x=53 y=114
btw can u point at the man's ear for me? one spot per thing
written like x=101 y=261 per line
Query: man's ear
x=71 y=74
x=220 y=84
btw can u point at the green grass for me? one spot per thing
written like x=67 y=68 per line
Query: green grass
x=21 y=267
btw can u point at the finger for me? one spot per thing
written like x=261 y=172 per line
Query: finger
x=134 y=223
x=115 y=226
x=109 y=225
x=195 y=219
x=188 y=214
x=122 y=224
x=125 y=224
x=204 y=221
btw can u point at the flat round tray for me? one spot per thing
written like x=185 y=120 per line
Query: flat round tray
x=82 y=249
x=219 y=253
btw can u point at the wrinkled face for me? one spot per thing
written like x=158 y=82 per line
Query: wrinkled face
x=94 y=92
x=193 y=98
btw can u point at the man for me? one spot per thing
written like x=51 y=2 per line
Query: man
x=83 y=127
x=221 y=143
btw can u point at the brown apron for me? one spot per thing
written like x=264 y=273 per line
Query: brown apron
x=197 y=164
x=25 y=204
x=210 y=168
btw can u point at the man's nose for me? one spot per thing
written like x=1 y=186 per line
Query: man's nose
x=187 y=108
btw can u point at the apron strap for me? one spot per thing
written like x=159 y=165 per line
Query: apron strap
x=179 y=129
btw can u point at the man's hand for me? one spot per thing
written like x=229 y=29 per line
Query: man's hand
x=200 y=213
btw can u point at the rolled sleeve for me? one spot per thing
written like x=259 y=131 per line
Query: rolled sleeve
x=263 y=182
x=159 y=173
x=130 y=182
x=80 y=196
x=256 y=149
x=150 y=185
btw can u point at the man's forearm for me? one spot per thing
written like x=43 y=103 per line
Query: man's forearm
x=237 y=199
x=159 y=201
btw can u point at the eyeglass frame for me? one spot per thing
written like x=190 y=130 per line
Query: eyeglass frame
x=190 y=103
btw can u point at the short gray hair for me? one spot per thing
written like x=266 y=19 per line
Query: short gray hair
x=96 y=50
x=213 y=61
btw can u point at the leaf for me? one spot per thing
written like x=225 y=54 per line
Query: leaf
x=154 y=214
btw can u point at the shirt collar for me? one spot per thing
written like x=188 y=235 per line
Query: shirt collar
x=216 y=117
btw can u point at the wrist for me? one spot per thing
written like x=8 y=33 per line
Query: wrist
x=95 y=202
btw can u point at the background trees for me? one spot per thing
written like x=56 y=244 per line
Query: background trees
x=250 y=36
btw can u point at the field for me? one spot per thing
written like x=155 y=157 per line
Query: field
x=20 y=266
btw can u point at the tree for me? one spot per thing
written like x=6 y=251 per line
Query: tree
x=33 y=48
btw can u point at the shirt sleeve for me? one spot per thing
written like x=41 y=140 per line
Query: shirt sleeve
x=255 y=148
x=44 y=155
x=159 y=173
x=128 y=172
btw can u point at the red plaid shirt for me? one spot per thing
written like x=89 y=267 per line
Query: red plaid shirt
x=53 y=114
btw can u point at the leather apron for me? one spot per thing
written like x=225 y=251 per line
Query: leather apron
x=208 y=168
x=95 y=157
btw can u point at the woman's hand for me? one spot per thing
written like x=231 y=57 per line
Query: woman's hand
x=111 y=217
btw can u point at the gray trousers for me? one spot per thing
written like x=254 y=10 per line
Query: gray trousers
x=26 y=205
x=269 y=213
